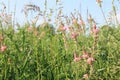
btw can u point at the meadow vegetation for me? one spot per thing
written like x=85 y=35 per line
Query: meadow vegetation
x=72 y=51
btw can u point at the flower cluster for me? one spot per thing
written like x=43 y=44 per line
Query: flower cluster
x=85 y=76
x=3 y=48
x=76 y=58
x=74 y=35
x=82 y=22
x=99 y=2
x=63 y=29
x=95 y=31
x=89 y=59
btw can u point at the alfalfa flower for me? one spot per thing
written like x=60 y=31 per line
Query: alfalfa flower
x=90 y=60
x=63 y=28
x=85 y=55
x=95 y=31
x=85 y=76
x=99 y=2
x=3 y=48
x=82 y=22
x=76 y=58
x=74 y=35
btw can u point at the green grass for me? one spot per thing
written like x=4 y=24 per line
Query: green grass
x=43 y=56
x=77 y=50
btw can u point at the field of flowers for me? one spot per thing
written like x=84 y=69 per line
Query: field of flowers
x=70 y=52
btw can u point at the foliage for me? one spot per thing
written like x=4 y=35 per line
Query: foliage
x=70 y=52
x=40 y=54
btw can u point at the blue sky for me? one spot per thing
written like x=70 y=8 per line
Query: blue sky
x=68 y=7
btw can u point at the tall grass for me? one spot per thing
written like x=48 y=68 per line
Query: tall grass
x=72 y=52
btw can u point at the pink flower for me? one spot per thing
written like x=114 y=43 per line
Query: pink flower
x=63 y=29
x=76 y=59
x=82 y=22
x=94 y=26
x=90 y=60
x=85 y=55
x=74 y=35
x=85 y=76
x=3 y=48
x=98 y=1
x=95 y=30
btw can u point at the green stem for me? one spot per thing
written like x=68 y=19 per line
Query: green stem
x=103 y=15
x=38 y=69
x=65 y=42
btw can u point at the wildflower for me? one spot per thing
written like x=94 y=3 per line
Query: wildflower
x=85 y=76
x=95 y=30
x=74 y=35
x=85 y=55
x=94 y=26
x=98 y=1
x=76 y=59
x=82 y=22
x=90 y=60
x=63 y=29
x=3 y=48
